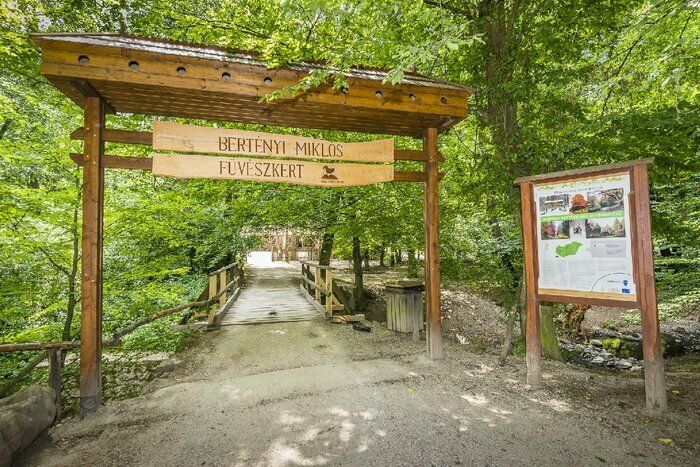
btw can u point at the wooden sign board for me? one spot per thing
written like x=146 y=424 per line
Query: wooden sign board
x=587 y=239
x=271 y=170
x=169 y=136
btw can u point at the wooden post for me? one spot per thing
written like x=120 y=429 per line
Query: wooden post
x=654 y=379
x=432 y=245
x=329 y=288
x=212 y=293
x=55 y=378
x=222 y=285
x=533 y=345
x=91 y=290
x=317 y=279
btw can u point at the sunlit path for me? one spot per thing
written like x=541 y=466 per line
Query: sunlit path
x=271 y=294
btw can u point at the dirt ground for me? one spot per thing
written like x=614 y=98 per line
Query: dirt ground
x=313 y=393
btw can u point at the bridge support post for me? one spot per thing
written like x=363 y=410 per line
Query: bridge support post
x=432 y=245
x=91 y=275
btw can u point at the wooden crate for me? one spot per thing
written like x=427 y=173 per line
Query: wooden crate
x=404 y=308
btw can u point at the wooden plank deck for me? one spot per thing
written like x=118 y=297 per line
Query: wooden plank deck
x=270 y=295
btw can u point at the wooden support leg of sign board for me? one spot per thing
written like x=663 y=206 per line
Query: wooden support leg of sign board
x=533 y=344
x=432 y=246
x=91 y=291
x=654 y=379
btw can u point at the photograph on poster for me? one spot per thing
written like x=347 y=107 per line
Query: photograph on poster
x=605 y=227
x=578 y=204
x=555 y=204
x=605 y=200
x=577 y=228
x=555 y=230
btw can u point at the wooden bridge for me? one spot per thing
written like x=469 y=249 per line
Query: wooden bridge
x=234 y=295
x=270 y=295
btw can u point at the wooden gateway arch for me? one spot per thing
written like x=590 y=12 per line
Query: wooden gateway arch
x=109 y=73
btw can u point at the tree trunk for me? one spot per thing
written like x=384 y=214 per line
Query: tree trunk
x=382 y=252
x=392 y=258
x=365 y=258
x=548 y=334
x=412 y=269
x=324 y=258
x=518 y=305
x=399 y=257
x=75 y=263
x=359 y=279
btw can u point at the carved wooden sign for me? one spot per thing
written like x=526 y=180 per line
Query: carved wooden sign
x=271 y=170
x=169 y=136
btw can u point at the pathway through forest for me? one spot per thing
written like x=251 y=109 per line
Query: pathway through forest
x=311 y=393
x=270 y=294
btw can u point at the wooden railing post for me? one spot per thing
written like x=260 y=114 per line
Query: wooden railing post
x=329 y=289
x=212 y=293
x=317 y=279
x=55 y=378
x=222 y=285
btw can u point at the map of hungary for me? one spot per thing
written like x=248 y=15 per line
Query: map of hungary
x=569 y=249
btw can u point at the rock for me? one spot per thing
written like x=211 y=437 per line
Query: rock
x=596 y=343
x=23 y=416
x=623 y=364
x=166 y=366
x=598 y=360
x=154 y=358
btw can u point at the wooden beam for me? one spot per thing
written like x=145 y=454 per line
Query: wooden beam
x=84 y=88
x=432 y=245
x=533 y=345
x=566 y=174
x=118 y=162
x=91 y=290
x=413 y=155
x=654 y=378
x=409 y=176
x=144 y=138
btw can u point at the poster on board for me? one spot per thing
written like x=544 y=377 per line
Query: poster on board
x=583 y=236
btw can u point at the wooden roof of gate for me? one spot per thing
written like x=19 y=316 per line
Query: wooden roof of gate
x=156 y=77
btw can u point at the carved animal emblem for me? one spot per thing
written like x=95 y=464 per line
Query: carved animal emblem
x=329 y=173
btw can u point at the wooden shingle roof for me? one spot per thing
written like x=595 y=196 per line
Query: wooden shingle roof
x=156 y=77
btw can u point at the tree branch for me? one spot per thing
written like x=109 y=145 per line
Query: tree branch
x=452 y=9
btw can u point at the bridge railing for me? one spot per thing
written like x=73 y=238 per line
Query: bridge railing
x=317 y=285
x=219 y=291
x=223 y=289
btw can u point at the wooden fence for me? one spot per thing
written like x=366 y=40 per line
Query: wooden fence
x=221 y=283
x=317 y=286
x=219 y=291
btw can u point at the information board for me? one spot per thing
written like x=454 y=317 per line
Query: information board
x=583 y=236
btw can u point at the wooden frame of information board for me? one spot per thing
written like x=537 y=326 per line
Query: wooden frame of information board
x=641 y=249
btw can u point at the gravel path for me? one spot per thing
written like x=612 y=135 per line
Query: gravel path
x=313 y=393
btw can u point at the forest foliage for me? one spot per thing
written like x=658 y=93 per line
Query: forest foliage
x=559 y=84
